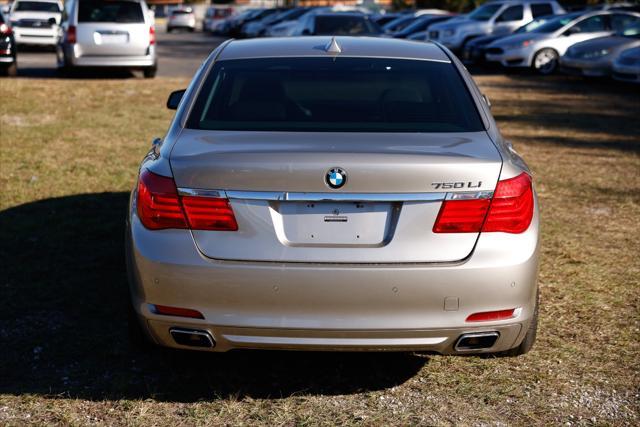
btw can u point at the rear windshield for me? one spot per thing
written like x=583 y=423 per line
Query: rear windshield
x=334 y=95
x=36 y=6
x=110 y=11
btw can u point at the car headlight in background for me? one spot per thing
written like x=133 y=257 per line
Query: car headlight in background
x=595 y=54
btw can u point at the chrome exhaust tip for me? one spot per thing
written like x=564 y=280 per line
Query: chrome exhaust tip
x=476 y=341
x=192 y=337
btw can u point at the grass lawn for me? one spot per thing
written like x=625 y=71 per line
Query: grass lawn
x=69 y=151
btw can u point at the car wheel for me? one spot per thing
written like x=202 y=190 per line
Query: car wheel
x=546 y=61
x=464 y=43
x=150 y=72
x=529 y=339
x=169 y=29
x=65 y=71
x=191 y=30
x=11 y=70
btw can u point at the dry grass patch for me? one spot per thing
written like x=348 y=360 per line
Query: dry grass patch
x=68 y=157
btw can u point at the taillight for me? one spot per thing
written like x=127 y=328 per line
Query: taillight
x=160 y=207
x=158 y=202
x=461 y=216
x=71 y=34
x=5 y=29
x=152 y=35
x=510 y=210
x=207 y=213
x=487 y=316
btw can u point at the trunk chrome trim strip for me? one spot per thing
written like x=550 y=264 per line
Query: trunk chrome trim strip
x=335 y=197
x=201 y=193
x=364 y=197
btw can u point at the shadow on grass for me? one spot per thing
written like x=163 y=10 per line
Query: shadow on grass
x=63 y=327
x=609 y=111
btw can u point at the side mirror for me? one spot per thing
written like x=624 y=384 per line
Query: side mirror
x=486 y=100
x=174 y=99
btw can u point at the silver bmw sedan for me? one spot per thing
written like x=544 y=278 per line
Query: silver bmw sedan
x=334 y=193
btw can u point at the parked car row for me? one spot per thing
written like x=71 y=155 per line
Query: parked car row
x=546 y=46
x=85 y=34
x=338 y=20
x=537 y=34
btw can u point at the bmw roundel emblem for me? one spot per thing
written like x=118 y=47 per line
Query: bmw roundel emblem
x=336 y=178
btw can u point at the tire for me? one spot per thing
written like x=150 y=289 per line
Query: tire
x=11 y=70
x=150 y=72
x=169 y=29
x=191 y=30
x=465 y=41
x=529 y=339
x=65 y=71
x=545 y=61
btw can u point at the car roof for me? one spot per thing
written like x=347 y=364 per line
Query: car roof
x=366 y=47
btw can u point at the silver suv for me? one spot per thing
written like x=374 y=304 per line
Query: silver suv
x=499 y=17
x=107 y=33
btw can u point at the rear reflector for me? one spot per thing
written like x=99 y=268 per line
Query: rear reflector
x=491 y=315
x=152 y=35
x=160 y=207
x=176 y=311
x=509 y=211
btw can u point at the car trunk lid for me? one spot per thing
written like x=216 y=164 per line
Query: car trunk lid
x=287 y=212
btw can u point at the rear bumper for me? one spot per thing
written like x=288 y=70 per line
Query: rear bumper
x=181 y=24
x=36 y=36
x=71 y=56
x=332 y=306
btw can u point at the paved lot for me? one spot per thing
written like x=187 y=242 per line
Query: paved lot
x=180 y=54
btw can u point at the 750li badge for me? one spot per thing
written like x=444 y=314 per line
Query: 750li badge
x=459 y=184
